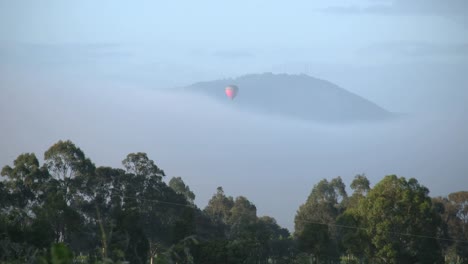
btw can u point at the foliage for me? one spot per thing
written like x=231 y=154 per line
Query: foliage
x=398 y=220
x=178 y=185
x=70 y=211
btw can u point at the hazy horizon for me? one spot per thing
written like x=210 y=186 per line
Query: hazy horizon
x=271 y=160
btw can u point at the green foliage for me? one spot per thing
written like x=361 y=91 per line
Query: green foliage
x=315 y=239
x=69 y=211
x=392 y=210
x=64 y=160
x=454 y=214
x=178 y=185
x=325 y=203
x=140 y=165
x=59 y=253
x=360 y=184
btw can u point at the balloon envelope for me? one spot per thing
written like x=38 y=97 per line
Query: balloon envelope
x=231 y=91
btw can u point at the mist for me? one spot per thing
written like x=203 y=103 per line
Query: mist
x=274 y=161
x=104 y=80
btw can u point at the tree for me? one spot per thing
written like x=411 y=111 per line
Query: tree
x=275 y=242
x=219 y=207
x=178 y=185
x=164 y=216
x=59 y=254
x=315 y=219
x=25 y=181
x=360 y=184
x=399 y=219
x=70 y=167
x=352 y=239
x=243 y=213
x=125 y=215
x=93 y=215
x=139 y=164
x=64 y=161
x=460 y=201
x=453 y=211
x=23 y=192
x=315 y=239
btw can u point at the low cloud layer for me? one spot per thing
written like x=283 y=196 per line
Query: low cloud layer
x=273 y=161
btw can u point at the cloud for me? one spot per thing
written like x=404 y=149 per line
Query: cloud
x=233 y=54
x=418 y=49
x=455 y=9
x=211 y=144
x=60 y=53
x=429 y=7
x=352 y=9
x=82 y=60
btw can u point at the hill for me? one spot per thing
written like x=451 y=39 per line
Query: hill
x=296 y=96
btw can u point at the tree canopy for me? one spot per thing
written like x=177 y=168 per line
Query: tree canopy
x=68 y=210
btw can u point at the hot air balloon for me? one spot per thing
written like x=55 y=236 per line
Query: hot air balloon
x=231 y=91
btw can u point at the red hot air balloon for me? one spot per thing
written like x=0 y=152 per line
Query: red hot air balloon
x=231 y=91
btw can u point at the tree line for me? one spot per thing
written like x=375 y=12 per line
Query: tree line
x=67 y=210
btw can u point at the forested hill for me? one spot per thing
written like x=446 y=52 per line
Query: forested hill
x=68 y=210
x=295 y=96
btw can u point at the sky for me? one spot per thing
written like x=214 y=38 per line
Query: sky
x=408 y=56
x=363 y=46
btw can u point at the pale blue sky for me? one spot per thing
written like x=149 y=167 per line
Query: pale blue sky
x=257 y=26
x=172 y=43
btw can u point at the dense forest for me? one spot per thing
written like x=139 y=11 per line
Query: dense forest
x=67 y=210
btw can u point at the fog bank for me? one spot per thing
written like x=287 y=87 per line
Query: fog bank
x=273 y=161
